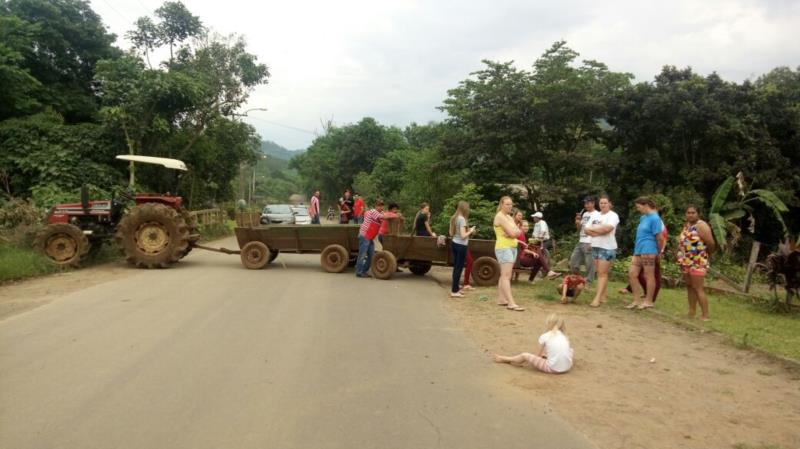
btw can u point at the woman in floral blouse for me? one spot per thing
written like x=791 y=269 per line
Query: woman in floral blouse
x=694 y=244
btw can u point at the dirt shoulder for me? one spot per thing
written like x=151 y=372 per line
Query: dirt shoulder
x=640 y=381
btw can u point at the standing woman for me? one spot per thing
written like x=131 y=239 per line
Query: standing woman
x=602 y=229
x=505 y=249
x=460 y=233
x=694 y=243
x=422 y=222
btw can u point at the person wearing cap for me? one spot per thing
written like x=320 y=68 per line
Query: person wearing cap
x=541 y=232
x=582 y=253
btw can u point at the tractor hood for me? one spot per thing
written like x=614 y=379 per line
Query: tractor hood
x=166 y=162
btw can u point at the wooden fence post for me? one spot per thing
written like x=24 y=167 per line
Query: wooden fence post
x=751 y=265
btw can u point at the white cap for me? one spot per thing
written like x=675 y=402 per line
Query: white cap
x=537 y=215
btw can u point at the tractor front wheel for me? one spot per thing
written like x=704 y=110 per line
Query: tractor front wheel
x=153 y=235
x=62 y=243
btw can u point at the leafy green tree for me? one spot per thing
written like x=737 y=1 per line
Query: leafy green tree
x=177 y=24
x=481 y=214
x=18 y=96
x=61 y=43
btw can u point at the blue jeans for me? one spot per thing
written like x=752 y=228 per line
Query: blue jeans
x=358 y=220
x=315 y=219
x=459 y=258
x=365 y=250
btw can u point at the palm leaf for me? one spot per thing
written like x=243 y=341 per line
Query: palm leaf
x=721 y=195
x=719 y=229
x=770 y=200
x=734 y=214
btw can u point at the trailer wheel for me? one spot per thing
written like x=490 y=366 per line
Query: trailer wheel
x=384 y=264
x=255 y=255
x=62 y=243
x=420 y=268
x=334 y=258
x=273 y=254
x=486 y=271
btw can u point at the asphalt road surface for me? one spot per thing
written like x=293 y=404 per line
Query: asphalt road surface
x=209 y=354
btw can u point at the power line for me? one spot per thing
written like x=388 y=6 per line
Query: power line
x=284 y=126
x=125 y=18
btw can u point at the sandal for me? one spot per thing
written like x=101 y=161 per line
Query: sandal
x=516 y=309
x=456 y=295
x=645 y=306
x=467 y=287
x=632 y=305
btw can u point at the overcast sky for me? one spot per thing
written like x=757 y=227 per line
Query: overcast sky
x=395 y=61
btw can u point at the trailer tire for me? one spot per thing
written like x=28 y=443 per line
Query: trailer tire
x=419 y=268
x=384 y=264
x=486 y=271
x=273 y=254
x=335 y=258
x=255 y=255
x=62 y=243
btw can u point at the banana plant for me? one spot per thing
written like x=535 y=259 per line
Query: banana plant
x=726 y=215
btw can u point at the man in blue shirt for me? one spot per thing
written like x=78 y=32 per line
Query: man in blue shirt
x=648 y=241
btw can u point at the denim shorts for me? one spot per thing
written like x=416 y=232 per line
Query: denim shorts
x=506 y=255
x=607 y=255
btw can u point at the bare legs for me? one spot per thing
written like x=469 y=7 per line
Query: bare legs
x=638 y=264
x=516 y=360
x=504 y=287
x=697 y=295
x=601 y=268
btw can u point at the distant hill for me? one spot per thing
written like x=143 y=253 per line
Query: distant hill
x=272 y=149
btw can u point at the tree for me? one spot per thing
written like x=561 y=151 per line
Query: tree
x=18 y=96
x=60 y=43
x=177 y=24
x=726 y=215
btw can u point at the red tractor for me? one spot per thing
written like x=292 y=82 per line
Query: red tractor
x=154 y=233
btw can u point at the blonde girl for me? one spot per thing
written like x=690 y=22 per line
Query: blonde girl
x=555 y=352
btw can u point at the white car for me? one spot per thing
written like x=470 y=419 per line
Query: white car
x=301 y=215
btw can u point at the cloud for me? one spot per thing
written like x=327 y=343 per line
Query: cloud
x=395 y=61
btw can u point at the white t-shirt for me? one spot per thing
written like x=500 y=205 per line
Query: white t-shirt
x=586 y=219
x=541 y=231
x=558 y=350
x=605 y=241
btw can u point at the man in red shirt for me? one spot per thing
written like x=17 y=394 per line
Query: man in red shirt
x=391 y=213
x=358 y=209
x=313 y=210
x=369 y=230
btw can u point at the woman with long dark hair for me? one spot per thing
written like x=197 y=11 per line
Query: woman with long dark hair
x=694 y=243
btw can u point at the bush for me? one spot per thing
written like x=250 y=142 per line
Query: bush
x=19 y=222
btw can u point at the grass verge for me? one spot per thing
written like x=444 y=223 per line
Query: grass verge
x=748 y=324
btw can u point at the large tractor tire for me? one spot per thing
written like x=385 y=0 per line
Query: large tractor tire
x=255 y=255
x=486 y=271
x=193 y=228
x=384 y=264
x=334 y=258
x=62 y=243
x=153 y=235
x=419 y=268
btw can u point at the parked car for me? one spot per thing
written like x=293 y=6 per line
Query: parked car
x=277 y=214
x=301 y=215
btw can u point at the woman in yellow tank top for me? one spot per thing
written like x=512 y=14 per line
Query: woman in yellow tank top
x=505 y=249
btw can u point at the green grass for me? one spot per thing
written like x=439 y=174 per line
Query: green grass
x=18 y=263
x=217 y=231
x=748 y=324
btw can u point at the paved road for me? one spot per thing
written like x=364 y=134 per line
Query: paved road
x=211 y=355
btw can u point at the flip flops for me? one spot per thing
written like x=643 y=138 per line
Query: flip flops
x=516 y=309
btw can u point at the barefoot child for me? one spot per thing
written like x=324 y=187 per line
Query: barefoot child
x=555 y=353
x=571 y=286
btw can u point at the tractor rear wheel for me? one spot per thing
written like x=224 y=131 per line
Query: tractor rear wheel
x=384 y=264
x=153 y=235
x=62 y=243
x=334 y=258
x=193 y=228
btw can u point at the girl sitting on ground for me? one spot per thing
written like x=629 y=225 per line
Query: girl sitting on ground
x=555 y=352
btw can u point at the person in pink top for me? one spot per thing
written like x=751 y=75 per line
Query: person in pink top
x=313 y=209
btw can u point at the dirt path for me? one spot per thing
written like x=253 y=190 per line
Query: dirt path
x=641 y=382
